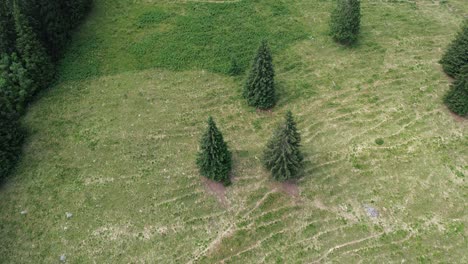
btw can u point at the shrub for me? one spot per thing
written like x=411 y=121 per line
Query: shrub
x=457 y=97
x=379 y=141
x=456 y=55
x=282 y=156
x=345 y=21
x=214 y=158
x=259 y=89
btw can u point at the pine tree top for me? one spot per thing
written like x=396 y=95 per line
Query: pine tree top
x=290 y=127
x=282 y=155
x=212 y=131
x=259 y=89
x=214 y=157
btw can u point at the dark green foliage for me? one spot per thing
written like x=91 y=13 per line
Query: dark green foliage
x=55 y=26
x=36 y=60
x=7 y=28
x=345 y=21
x=15 y=85
x=76 y=10
x=53 y=20
x=10 y=138
x=457 y=97
x=456 y=55
x=214 y=158
x=259 y=89
x=282 y=156
x=379 y=141
x=235 y=68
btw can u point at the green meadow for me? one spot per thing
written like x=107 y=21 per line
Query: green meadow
x=114 y=140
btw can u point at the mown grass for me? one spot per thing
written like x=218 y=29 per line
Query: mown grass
x=115 y=146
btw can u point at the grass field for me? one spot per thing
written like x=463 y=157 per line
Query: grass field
x=114 y=141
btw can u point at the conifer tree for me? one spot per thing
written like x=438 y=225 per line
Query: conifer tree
x=346 y=21
x=15 y=85
x=7 y=28
x=282 y=156
x=11 y=138
x=55 y=26
x=214 y=158
x=259 y=89
x=32 y=52
x=457 y=97
x=456 y=55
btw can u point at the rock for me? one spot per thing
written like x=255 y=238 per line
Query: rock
x=63 y=258
x=371 y=211
x=24 y=212
x=69 y=215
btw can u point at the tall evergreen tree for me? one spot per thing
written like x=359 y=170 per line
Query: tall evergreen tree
x=35 y=58
x=457 y=97
x=456 y=55
x=7 y=27
x=55 y=26
x=346 y=21
x=15 y=85
x=282 y=156
x=259 y=89
x=214 y=158
x=11 y=138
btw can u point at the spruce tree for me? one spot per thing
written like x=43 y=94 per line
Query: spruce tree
x=11 y=138
x=259 y=89
x=55 y=26
x=15 y=85
x=346 y=21
x=214 y=158
x=457 y=97
x=282 y=156
x=456 y=55
x=7 y=28
x=32 y=52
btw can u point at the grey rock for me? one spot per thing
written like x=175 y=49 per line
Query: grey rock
x=63 y=258
x=24 y=212
x=69 y=215
x=371 y=211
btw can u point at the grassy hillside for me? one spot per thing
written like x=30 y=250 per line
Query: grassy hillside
x=114 y=141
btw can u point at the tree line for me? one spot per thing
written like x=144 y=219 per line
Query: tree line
x=33 y=36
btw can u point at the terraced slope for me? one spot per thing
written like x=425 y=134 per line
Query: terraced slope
x=114 y=142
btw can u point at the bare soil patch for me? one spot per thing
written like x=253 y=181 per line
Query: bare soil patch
x=217 y=189
x=457 y=117
x=289 y=187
